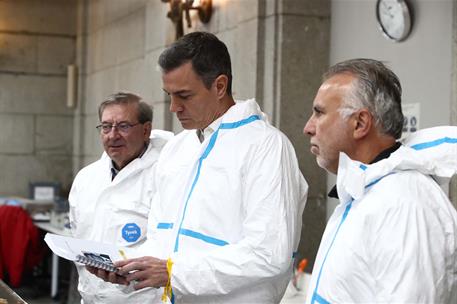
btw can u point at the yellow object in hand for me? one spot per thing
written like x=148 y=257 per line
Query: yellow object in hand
x=122 y=253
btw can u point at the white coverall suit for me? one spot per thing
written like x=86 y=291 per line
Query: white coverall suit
x=228 y=211
x=393 y=237
x=114 y=211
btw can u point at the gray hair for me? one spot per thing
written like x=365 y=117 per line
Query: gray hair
x=144 y=109
x=376 y=88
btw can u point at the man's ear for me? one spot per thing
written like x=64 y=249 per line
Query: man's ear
x=363 y=121
x=220 y=85
x=147 y=127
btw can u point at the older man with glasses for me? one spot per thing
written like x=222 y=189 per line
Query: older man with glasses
x=110 y=198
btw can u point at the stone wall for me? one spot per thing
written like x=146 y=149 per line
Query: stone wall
x=37 y=42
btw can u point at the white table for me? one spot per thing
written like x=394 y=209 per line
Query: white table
x=55 y=259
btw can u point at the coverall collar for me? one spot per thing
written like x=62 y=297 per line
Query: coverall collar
x=383 y=155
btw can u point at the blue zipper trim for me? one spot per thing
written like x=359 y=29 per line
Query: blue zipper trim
x=165 y=226
x=202 y=237
x=346 y=211
x=319 y=299
x=190 y=193
x=345 y=214
x=205 y=154
x=434 y=143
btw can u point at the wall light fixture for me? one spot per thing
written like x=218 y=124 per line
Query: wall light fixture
x=181 y=8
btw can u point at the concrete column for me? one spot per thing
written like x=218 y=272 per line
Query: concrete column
x=453 y=110
x=293 y=52
x=81 y=64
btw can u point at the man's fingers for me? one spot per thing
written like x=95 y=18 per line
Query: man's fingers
x=133 y=266
x=143 y=284
x=92 y=270
x=140 y=275
x=122 y=263
x=117 y=279
x=107 y=276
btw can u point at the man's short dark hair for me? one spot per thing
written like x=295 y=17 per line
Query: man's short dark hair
x=144 y=109
x=209 y=57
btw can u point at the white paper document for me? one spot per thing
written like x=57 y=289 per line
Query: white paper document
x=91 y=253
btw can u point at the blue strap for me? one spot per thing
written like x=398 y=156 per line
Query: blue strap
x=205 y=154
x=434 y=143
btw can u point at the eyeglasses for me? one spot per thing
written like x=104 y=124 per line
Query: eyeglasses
x=123 y=127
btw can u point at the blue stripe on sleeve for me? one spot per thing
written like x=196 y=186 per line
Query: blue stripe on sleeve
x=165 y=226
x=200 y=236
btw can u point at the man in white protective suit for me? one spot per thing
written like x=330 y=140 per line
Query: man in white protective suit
x=110 y=198
x=393 y=237
x=226 y=219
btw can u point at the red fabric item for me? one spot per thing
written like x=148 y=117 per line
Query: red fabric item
x=21 y=247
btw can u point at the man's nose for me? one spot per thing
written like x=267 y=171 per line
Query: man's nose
x=175 y=106
x=309 y=128
x=114 y=132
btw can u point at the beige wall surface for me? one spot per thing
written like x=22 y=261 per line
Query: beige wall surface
x=37 y=42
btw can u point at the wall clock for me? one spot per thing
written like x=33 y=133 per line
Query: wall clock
x=394 y=19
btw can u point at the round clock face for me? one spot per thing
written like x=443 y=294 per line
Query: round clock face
x=394 y=18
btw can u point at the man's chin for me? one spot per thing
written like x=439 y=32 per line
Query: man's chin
x=187 y=124
x=114 y=153
x=325 y=165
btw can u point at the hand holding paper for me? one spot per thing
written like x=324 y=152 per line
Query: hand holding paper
x=95 y=254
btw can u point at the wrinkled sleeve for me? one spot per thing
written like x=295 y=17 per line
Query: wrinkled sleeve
x=273 y=201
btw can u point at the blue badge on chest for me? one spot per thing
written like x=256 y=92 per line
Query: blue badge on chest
x=131 y=232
